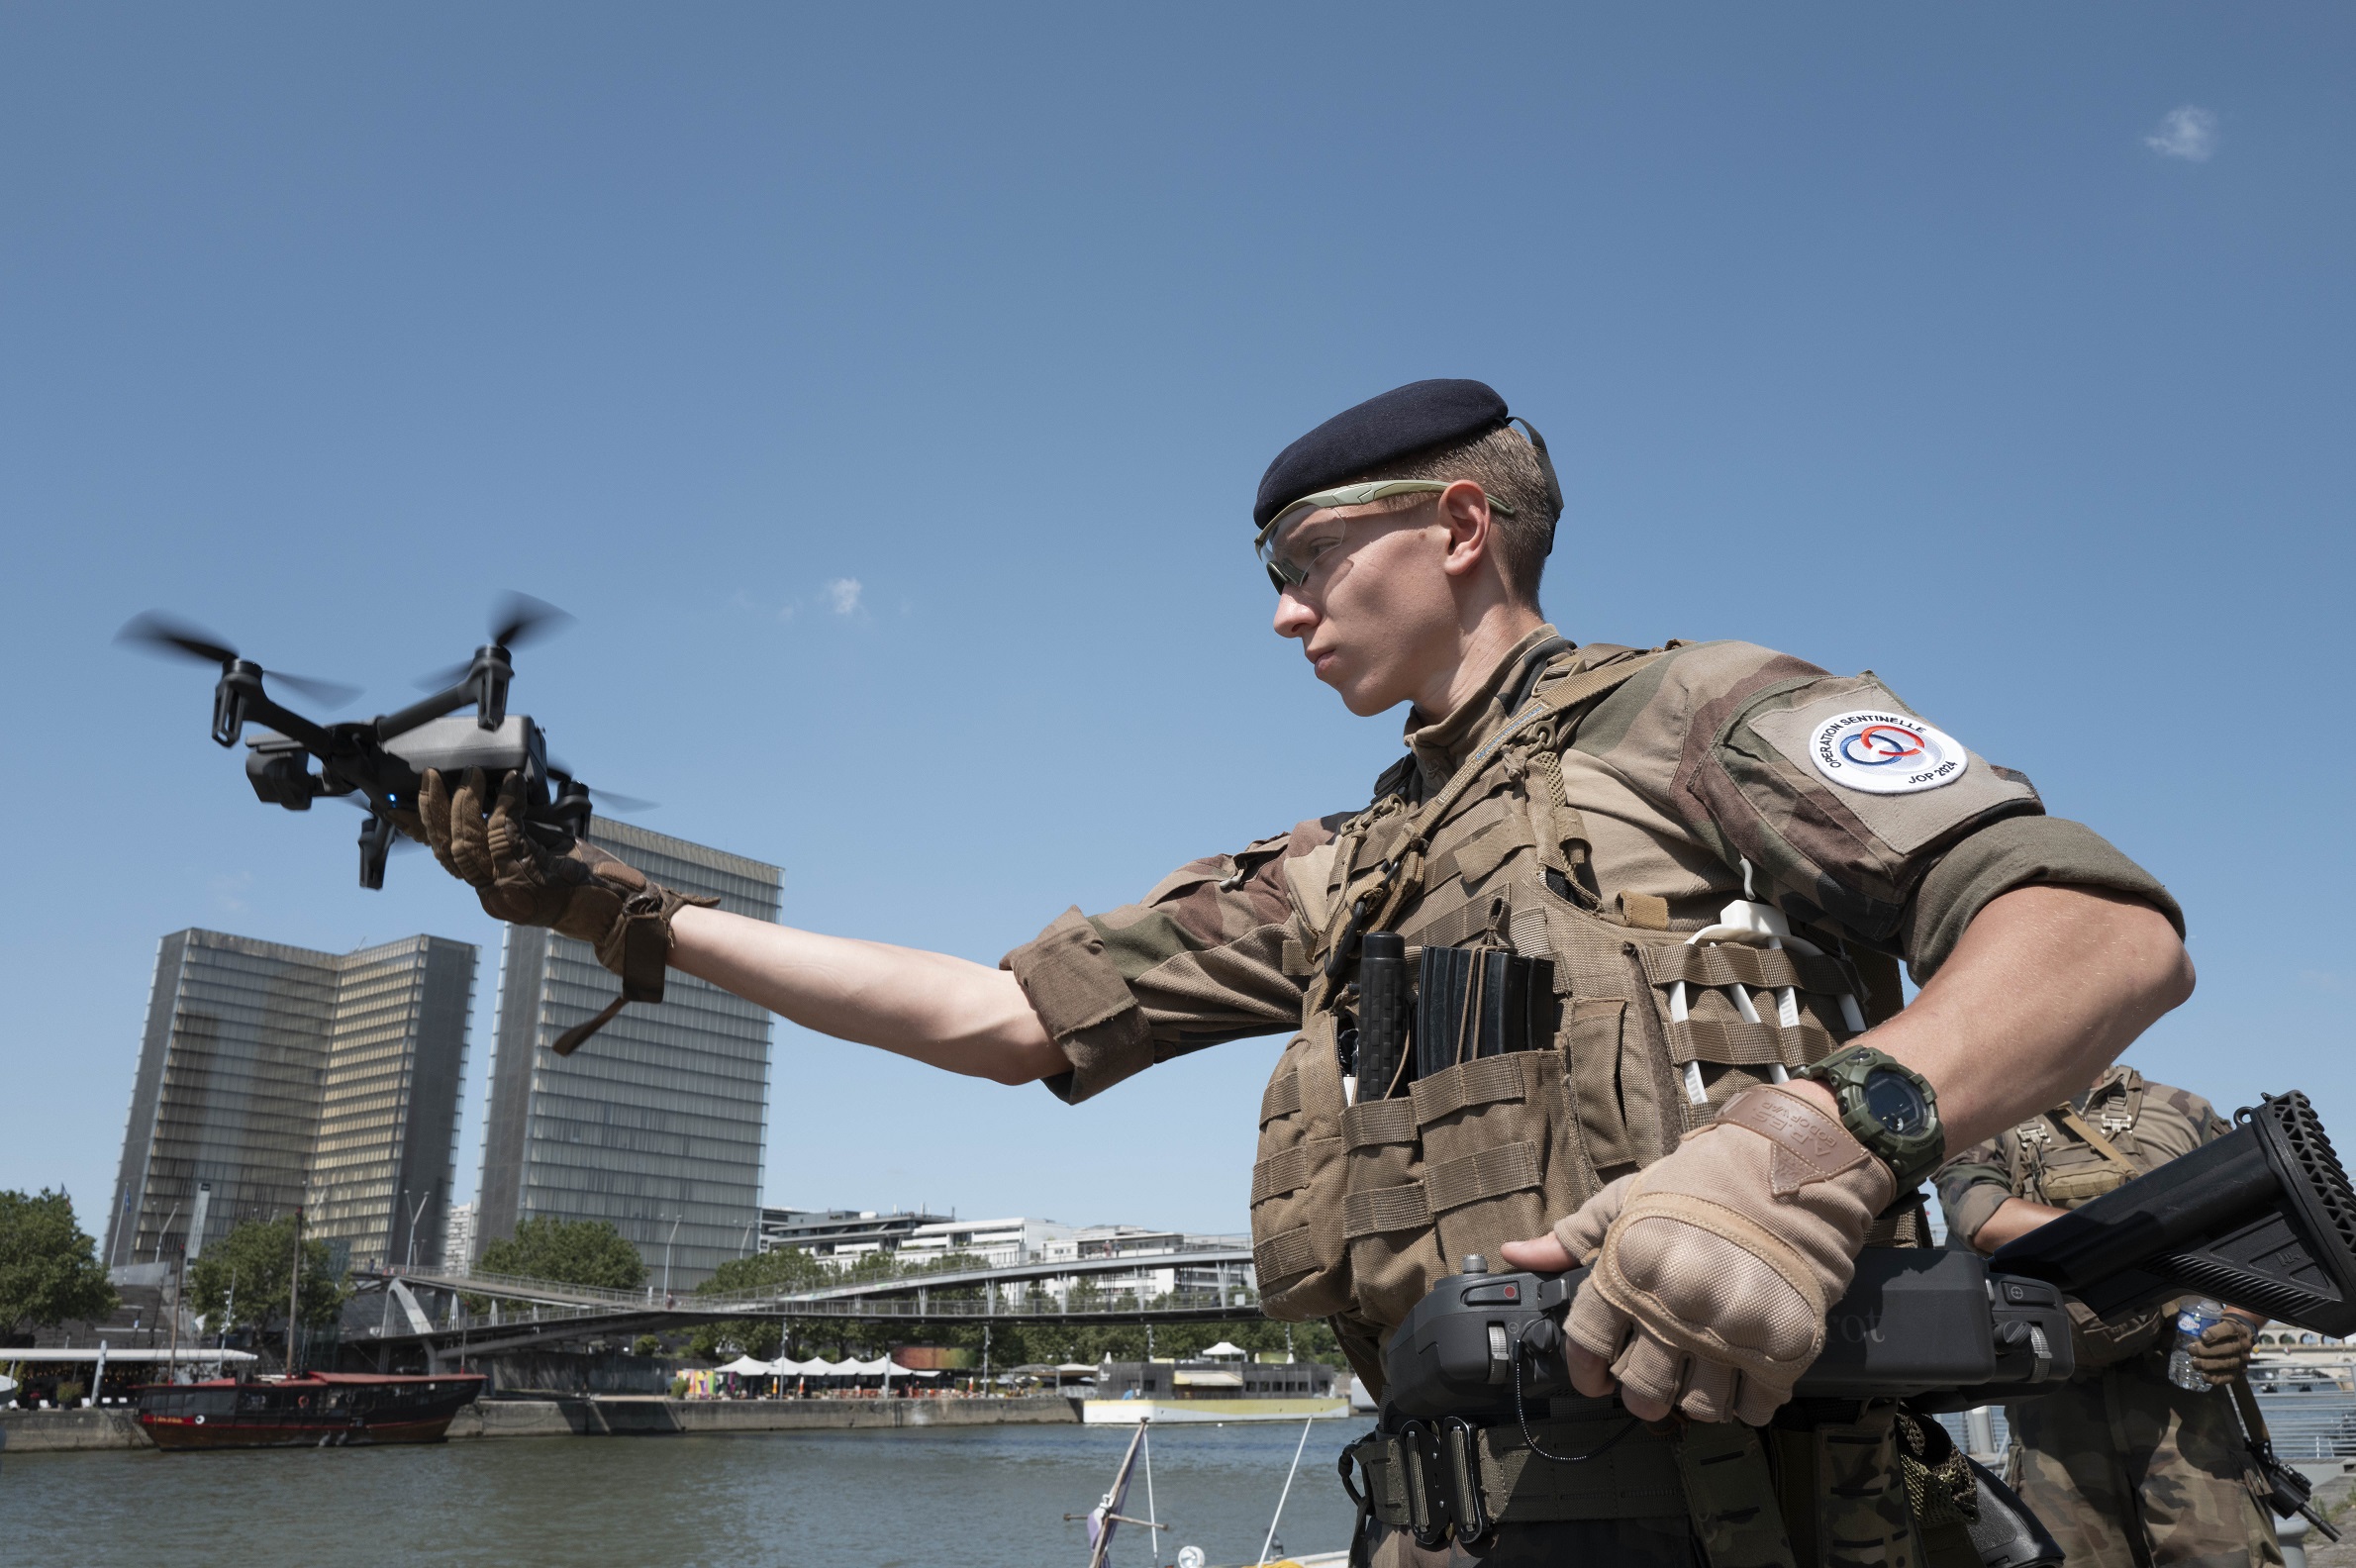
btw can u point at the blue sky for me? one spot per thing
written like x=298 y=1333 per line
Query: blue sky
x=885 y=390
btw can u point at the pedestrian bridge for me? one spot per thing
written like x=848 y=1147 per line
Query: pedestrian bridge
x=521 y=1313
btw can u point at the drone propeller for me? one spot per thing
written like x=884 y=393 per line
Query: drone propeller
x=610 y=800
x=516 y=617
x=523 y=618
x=160 y=633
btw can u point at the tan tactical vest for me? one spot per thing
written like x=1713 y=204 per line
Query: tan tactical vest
x=1362 y=1208
x=2067 y=1158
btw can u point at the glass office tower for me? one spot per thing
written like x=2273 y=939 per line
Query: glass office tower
x=655 y=1123
x=273 y=1076
x=389 y=1121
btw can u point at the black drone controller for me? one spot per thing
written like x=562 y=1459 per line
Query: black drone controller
x=1924 y=1323
x=378 y=764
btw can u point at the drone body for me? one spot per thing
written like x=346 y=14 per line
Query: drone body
x=379 y=763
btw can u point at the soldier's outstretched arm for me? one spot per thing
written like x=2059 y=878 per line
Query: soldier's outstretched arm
x=950 y=1012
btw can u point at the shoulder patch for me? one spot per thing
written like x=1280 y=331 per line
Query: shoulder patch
x=1907 y=781
x=1885 y=754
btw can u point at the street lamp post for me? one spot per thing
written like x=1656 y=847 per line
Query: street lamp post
x=414 y=1216
x=666 y=1258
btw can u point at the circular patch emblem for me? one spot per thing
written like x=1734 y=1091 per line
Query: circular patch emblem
x=1885 y=754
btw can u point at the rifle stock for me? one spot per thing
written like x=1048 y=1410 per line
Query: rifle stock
x=2262 y=1217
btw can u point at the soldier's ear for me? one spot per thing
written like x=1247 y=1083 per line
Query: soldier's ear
x=1464 y=510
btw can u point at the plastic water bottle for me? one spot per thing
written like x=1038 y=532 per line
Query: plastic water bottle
x=2191 y=1323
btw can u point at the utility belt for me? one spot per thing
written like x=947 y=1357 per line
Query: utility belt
x=1826 y=1480
x=1456 y=1477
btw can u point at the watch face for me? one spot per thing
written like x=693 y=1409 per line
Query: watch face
x=1894 y=1102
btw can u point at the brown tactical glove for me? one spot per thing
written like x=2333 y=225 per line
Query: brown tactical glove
x=2223 y=1352
x=582 y=892
x=1717 y=1262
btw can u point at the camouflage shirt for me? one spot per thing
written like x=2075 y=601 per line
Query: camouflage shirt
x=2048 y=1160
x=1699 y=763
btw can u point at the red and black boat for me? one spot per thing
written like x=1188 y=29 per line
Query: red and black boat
x=312 y=1410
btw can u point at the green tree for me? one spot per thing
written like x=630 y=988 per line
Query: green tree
x=758 y=1337
x=255 y=1260
x=568 y=1252
x=49 y=1268
x=786 y=1269
x=646 y=1345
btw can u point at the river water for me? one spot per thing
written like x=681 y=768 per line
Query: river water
x=986 y=1497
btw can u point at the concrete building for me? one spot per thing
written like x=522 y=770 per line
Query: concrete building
x=273 y=1076
x=655 y=1123
x=457 y=1238
x=842 y=1237
x=999 y=1244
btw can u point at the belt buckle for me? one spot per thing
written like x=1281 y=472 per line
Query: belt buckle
x=1429 y=1518
x=1461 y=1441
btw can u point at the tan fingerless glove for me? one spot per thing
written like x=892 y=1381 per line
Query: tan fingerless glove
x=1716 y=1263
x=580 y=892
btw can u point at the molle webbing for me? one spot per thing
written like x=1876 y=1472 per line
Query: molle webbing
x=1373 y=1122
x=1285 y=1255
x=1371 y=902
x=1281 y=1173
x=1451 y=1184
x=1733 y=1042
x=1282 y=1098
x=1760 y=968
x=1484 y=1080
x=2102 y=1145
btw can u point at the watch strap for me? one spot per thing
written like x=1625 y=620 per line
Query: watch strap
x=1912 y=1157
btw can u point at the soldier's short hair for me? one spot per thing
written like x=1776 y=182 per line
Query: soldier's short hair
x=1505 y=467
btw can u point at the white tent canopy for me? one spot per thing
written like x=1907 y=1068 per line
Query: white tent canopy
x=1224 y=1348
x=881 y=1366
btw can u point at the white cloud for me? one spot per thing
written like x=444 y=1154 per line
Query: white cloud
x=845 y=592
x=2188 y=133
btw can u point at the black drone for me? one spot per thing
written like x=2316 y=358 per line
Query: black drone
x=377 y=764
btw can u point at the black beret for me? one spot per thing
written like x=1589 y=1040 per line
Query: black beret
x=1382 y=430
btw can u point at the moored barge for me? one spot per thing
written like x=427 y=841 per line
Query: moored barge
x=313 y=1410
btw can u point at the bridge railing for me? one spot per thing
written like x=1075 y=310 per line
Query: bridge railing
x=1005 y=1284
x=1044 y=1309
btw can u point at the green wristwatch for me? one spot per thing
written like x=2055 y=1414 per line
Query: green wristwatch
x=1887 y=1107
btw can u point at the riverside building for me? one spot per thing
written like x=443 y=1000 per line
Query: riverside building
x=273 y=1076
x=843 y=1237
x=655 y=1123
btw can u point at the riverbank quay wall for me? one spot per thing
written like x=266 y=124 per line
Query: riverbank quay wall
x=632 y=1417
x=625 y=1416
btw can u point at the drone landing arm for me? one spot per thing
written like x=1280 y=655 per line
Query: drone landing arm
x=247 y=702
x=484 y=684
x=432 y=708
